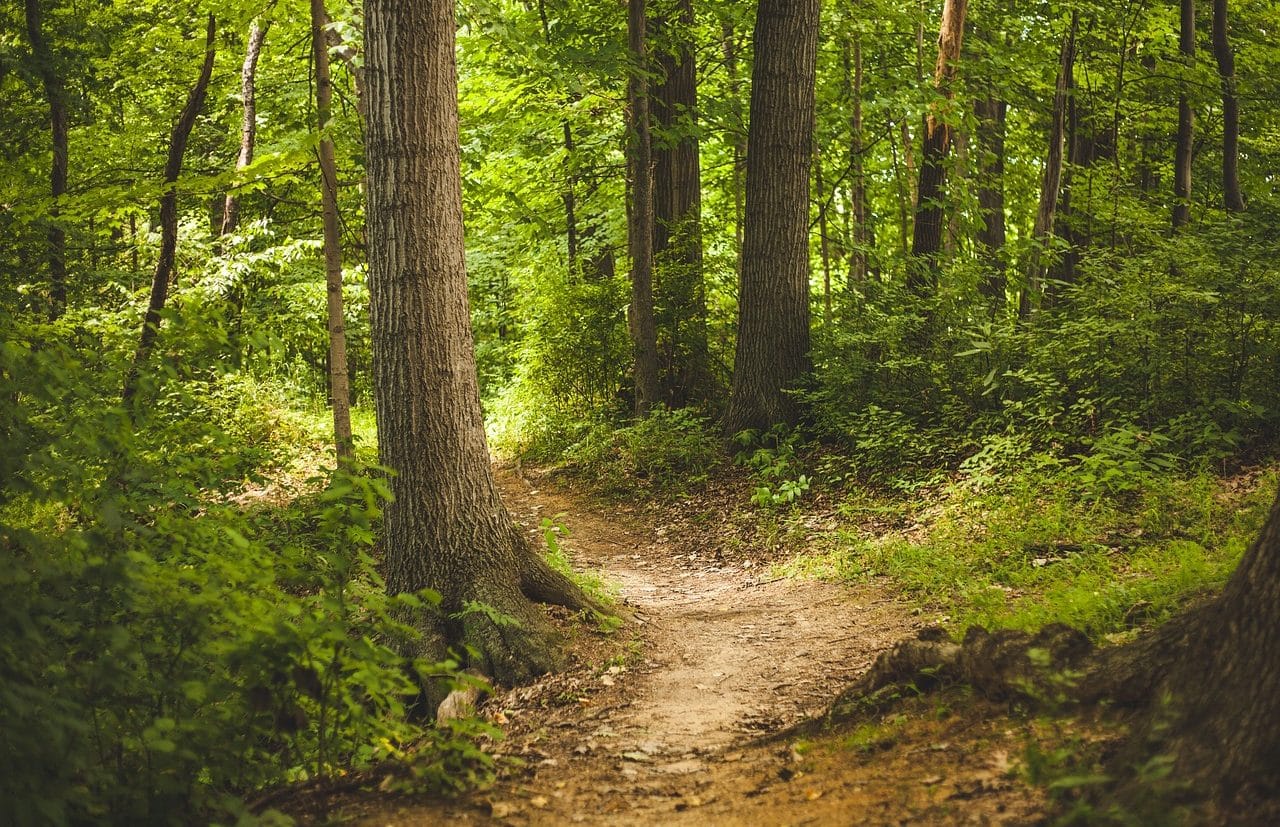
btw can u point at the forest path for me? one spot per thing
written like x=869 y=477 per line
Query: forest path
x=660 y=723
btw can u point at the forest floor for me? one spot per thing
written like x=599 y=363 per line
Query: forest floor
x=681 y=715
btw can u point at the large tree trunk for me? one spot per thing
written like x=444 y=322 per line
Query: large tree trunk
x=926 y=241
x=248 y=117
x=1051 y=182
x=339 y=382
x=1186 y=121
x=644 y=344
x=169 y=213
x=58 y=129
x=1232 y=198
x=738 y=136
x=773 y=300
x=679 y=289
x=447 y=528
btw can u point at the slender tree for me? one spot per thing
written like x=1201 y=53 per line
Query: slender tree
x=169 y=212
x=447 y=528
x=927 y=234
x=991 y=112
x=339 y=382
x=1186 y=120
x=249 y=115
x=1232 y=198
x=851 y=58
x=1051 y=182
x=644 y=344
x=679 y=289
x=773 y=306
x=58 y=130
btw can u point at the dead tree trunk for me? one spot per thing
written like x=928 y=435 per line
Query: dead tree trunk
x=169 y=214
x=447 y=528
x=922 y=275
x=1186 y=121
x=339 y=382
x=58 y=133
x=1051 y=182
x=248 y=118
x=644 y=344
x=1232 y=198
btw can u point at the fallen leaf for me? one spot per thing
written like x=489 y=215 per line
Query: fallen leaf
x=813 y=795
x=539 y=801
x=637 y=756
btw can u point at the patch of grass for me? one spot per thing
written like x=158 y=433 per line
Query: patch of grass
x=603 y=592
x=1034 y=551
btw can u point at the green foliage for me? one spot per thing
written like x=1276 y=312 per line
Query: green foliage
x=771 y=456
x=662 y=454
x=170 y=652
x=591 y=583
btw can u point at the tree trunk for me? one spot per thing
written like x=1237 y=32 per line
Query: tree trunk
x=926 y=243
x=248 y=119
x=339 y=382
x=858 y=241
x=773 y=306
x=1186 y=121
x=58 y=129
x=568 y=195
x=990 y=114
x=644 y=344
x=1232 y=198
x=447 y=528
x=169 y=214
x=679 y=289
x=1051 y=182
x=739 y=138
x=824 y=247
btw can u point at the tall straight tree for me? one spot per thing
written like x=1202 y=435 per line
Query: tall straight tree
x=447 y=528
x=169 y=213
x=339 y=382
x=679 y=290
x=55 y=96
x=1232 y=198
x=1186 y=119
x=248 y=115
x=926 y=240
x=773 y=299
x=1051 y=182
x=644 y=338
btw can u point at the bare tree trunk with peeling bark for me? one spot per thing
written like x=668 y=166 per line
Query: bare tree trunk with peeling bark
x=447 y=528
x=922 y=274
x=249 y=115
x=339 y=382
x=169 y=214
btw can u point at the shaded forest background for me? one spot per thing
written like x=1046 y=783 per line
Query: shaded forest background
x=1041 y=286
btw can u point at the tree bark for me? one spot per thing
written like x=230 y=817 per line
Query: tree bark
x=58 y=135
x=447 y=528
x=773 y=306
x=248 y=119
x=926 y=243
x=339 y=382
x=644 y=343
x=1232 y=198
x=679 y=289
x=1186 y=121
x=1051 y=182
x=853 y=86
x=990 y=114
x=169 y=214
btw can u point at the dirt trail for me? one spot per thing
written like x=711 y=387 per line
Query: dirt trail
x=665 y=733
